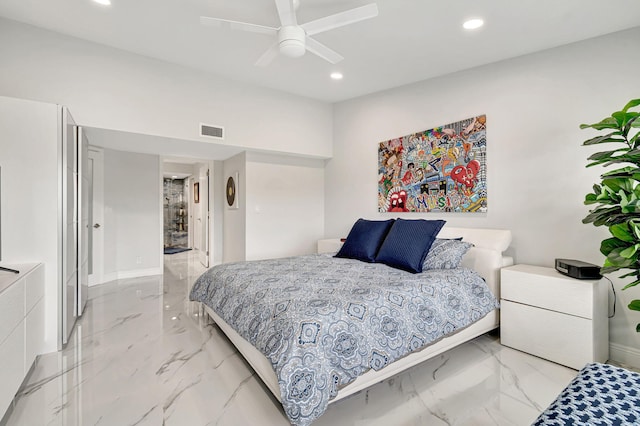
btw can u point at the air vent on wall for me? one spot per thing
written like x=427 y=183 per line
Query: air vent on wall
x=209 y=131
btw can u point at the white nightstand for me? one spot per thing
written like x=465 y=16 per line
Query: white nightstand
x=555 y=317
x=331 y=245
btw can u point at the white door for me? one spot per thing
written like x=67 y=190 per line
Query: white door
x=188 y=192
x=197 y=213
x=69 y=302
x=84 y=185
x=203 y=253
x=96 y=216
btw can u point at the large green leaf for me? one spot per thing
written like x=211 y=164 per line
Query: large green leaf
x=622 y=232
x=615 y=262
x=634 y=305
x=622 y=118
x=608 y=220
x=630 y=123
x=617 y=184
x=631 y=205
x=597 y=156
x=591 y=199
x=602 y=215
x=610 y=244
x=604 y=139
x=626 y=171
x=635 y=228
x=617 y=160
x=633 y=273
x=632 y=284
x=630 y=251
x=632 y=103
x=607 y=123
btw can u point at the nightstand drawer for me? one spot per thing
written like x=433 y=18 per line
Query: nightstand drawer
x=561 y=338
x=547 y=288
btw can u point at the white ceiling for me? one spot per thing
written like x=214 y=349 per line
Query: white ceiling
x=410 y=40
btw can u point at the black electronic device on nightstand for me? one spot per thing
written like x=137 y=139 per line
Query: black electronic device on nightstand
x=578 y=269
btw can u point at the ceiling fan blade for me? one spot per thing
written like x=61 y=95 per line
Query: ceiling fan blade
x=235 y=25
x=341 y=19
x=323 y=51
x=268 y=56
x=286 y=12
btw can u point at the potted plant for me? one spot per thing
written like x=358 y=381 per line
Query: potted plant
x=617 y=197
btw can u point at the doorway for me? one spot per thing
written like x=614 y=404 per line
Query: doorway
x=186 y=207
x=175 y=215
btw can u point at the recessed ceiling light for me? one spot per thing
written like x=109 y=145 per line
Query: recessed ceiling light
x=336 y=75
x=472 y=24
x=103 y=2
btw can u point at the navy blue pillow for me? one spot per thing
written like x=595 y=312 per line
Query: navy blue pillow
x=408 y=243
x=364 y=239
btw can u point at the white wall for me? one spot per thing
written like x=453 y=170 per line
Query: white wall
x=235 y=221
x=169 y=167
x=112 y=89
x=200 y=208
x=285 y=200
x=132 y=221
x=280 y=200
x=218 y=207
x=29 y=155
x=536 y=173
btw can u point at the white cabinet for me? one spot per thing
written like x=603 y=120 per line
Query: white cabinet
x=553 y=316
x=21 y=327
x=331 y=245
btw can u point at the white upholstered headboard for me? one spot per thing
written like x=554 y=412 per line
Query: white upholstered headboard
x=486 y=256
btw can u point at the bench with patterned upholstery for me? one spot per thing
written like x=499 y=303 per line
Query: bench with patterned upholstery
x=601 y=394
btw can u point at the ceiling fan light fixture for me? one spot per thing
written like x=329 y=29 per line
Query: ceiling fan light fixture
x=295 y=39
x=291 y=41
x=292 y=48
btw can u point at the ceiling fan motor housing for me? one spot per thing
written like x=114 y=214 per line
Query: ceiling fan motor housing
x=291 y=41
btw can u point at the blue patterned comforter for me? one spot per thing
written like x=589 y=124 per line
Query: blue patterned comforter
x=324 y=321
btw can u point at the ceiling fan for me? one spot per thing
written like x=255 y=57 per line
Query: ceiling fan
x=293 y=38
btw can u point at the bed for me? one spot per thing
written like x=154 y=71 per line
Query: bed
x=294 y=333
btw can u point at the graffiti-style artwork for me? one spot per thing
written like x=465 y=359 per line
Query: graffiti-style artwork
x=438 y=170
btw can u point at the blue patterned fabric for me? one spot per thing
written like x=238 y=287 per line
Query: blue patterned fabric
x=601 y=394
x=324 y=321
x=364 y=239
x=408 y=243
x=445 y=254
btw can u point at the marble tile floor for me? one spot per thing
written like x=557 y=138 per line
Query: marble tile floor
x=143 y=355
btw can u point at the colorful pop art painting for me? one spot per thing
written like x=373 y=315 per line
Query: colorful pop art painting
x=437 y=170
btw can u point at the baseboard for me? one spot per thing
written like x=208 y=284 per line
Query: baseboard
x=624 y=355
x=135 y=273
